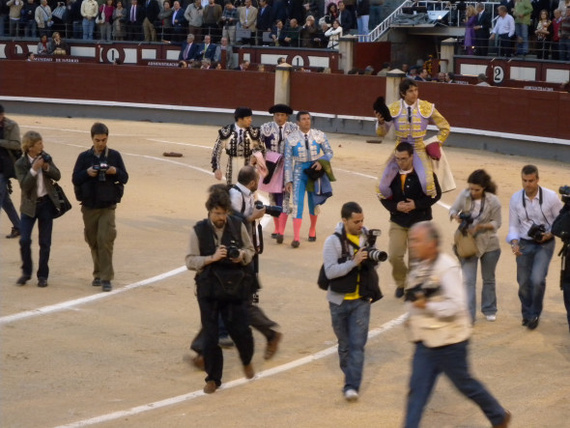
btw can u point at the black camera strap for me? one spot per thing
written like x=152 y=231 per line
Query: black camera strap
x=539 y=204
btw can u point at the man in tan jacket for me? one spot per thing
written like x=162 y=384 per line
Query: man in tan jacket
x=439 y=325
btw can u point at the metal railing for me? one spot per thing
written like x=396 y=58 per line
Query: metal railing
x=456 y=15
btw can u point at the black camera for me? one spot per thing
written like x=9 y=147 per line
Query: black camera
x=272 y=210
x=536 y=232
x=419 y=291
x=374 y=254
x=565 y=192
x=466 y=221
x=101 y=170
x=46 y=157
x=232 y=250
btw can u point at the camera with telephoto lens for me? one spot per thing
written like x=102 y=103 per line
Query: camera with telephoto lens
x=272 y=210
x=536 y=232
x=466 y=221
x=46 y=157
x=373 y=253
x=101 y=170
x=232 y=250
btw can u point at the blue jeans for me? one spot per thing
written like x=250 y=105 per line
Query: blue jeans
x=350 y=324
x=88 y=28
x=362 y=22
x=521 y=31
x=488 y=296
x=428 y=364
x=6 y=203
x=532 y=268
x=44 y=214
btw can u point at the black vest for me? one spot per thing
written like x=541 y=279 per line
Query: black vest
x=232 y=234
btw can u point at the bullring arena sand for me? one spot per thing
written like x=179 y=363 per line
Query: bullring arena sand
x=73 y=356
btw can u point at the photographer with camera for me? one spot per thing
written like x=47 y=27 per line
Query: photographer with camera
x=439 y=327
x=353 y=286
x=99 y=176
x=220 y=251
x=36 y=172
x=561 y=228
x=478 y=212
x=244 y=206
x=531 y=214
x=408 y=204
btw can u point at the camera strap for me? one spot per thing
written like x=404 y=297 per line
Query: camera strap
x=539 y=204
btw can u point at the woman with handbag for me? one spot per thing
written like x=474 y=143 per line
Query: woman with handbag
x=478 y=210
x=35 y=171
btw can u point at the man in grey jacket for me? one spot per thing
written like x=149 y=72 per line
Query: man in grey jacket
x=439 y=326
x=353 y=287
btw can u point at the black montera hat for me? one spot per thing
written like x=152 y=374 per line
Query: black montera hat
x=281 y=108
x=380 y=106
x=242 y=112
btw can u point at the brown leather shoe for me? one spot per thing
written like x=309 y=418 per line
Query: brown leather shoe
x=506 y=421
x=248 y=371
x=210 y=387
x=272 y=345
x=198 y=362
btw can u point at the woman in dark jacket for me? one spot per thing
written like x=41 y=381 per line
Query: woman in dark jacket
x=35 y=171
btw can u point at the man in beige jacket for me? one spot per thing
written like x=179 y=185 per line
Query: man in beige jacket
x=439 y=325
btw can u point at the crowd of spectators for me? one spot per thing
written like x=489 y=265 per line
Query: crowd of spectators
x=296 y=23
x=523 y=27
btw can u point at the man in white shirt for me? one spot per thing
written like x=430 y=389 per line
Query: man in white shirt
x=505 y=30
x=531 y=214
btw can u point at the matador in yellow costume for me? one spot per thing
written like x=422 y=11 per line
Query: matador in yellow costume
x=410 y=117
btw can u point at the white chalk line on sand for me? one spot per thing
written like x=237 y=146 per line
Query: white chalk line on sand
x=232 y=384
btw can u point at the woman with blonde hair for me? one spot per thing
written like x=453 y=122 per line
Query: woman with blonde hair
x=470 y=23
x=36 y=171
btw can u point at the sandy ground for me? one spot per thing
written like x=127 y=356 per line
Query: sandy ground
x=116 y=359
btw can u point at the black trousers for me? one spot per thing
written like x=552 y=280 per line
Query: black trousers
x=234 y=315
x=256 y=319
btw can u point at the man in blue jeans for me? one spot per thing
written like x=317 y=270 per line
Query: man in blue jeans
x=439 y=325
x=531 y=214
x=353 y=287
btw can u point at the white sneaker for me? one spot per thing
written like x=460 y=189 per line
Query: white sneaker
x=350 y=395
x=491 y=318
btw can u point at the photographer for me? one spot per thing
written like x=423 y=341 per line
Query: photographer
x=353 y=287
x=478 y=212
x=242 y=196
x=561 y=228
x=99 y=177
x=531 y=214
x=36 y=171
x=220 y=250
x=438 y=322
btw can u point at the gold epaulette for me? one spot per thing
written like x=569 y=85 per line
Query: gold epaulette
x=395 y=108
x=426 y=108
